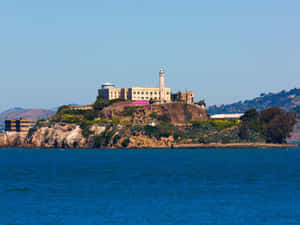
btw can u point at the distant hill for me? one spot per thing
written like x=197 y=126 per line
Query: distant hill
x=34 y=114
x=12 y=109
x=287 y=100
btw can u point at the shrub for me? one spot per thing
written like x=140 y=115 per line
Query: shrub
x=223 y=124
x=100 y=122
x=225 y=139
x=201 y=103
x=177 y=134
x=128 y=110
x=203 y=140
x=116 y=120
x=66 y=118
x=62 y=108
x=99 y=140
x=198 y=123
x=90 y=114
x=100 y=103
x=136 y=129
x=164 y=130
x=125 y=142
x=153 y=115
x=86 y=132
x=150 y=130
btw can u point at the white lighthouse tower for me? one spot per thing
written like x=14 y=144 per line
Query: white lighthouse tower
x=162 y=85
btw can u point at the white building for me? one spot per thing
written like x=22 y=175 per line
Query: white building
x=232 y=116
x=161 y=93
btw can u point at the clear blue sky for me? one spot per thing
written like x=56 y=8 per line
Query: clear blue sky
x=58 y=52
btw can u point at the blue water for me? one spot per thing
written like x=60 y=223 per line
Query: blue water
x=150 y=186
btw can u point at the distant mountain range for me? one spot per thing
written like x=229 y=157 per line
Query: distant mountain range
x=287 y=100
x=16 y=113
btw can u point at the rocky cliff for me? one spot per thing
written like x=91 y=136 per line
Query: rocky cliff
x=116 y=126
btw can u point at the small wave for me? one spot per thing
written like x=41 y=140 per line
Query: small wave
x=18 y=189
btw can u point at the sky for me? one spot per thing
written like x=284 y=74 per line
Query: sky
x=60 y=52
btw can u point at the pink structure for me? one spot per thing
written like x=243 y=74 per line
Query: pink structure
x=132 y=103
x=140 y=103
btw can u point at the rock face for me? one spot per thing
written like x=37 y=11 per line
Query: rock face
x=12 y=139
x=58 y=135
x=70 y=136
x=147 y=142
x=177 y=112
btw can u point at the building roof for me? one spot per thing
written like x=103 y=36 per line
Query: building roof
x=107 y=83
x=227 y=116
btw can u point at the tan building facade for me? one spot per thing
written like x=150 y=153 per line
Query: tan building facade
x=81 y=107
x=161 y=94
x=21 y=125
x=187 y=97
x=135 y=93
x=147 y=93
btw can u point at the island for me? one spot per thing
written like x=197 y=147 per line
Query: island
x=150 y=117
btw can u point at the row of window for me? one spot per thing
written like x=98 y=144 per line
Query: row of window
x=146 y=98
x=147 y=93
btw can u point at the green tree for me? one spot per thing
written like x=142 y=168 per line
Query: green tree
x=63 y=107
x=249 y=123
x=201 y=103
x=100 y=103
x=297 y=111
x=276 y=124
x=90 y=114
x=174 y=97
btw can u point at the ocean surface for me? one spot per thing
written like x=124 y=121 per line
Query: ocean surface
x=213 y=186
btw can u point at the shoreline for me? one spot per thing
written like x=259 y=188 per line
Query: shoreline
x=235 y=145
x=180 y=146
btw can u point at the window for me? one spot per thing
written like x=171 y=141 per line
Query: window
x=151 y=93
x=142 y=97
x=134 y=92
x=155 y=98
x=155 y=93
x=142 y=93
x=138 y=92
x=167 y=93
x=146 y=92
